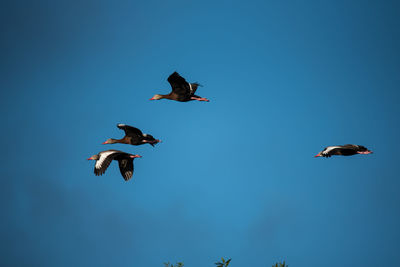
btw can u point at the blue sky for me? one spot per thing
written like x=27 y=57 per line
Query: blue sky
x=234 y=177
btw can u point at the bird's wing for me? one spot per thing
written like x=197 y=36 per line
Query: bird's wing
x=179 y=85
x=355 y=147
x=350 y=146
x=129 y=130
x=330 y=150
x=126 y=167
x=104 y=161
x=193 y=87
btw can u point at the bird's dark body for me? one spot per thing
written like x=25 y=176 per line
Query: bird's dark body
x=182 y=91
x=347 y=152
x=134 y=136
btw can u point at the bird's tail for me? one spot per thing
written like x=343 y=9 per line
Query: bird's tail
x=197 y=84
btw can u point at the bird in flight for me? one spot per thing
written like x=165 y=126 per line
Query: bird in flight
x=182 y=91
x=346 y=150
x=133 y=136
x=125 y=162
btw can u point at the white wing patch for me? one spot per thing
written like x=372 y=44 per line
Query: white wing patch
x=121 y=125
x=191 y=89
x=328 y=149
x=144 y=135
x=103 y=156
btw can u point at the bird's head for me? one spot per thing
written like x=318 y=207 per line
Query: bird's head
x=94 y=157
x=156 y=97
x=321 y=154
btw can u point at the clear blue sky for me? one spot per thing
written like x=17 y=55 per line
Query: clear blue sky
x=234 y=177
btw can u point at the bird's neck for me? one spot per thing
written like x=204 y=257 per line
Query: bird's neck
x=113 y=141
x=168 y=96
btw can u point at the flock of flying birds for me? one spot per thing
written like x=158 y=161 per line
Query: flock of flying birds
x=182 y=91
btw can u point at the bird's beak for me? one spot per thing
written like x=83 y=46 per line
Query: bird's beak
x=158 y=141
x=152 y=98
x=105 y=142
x=318 y=155
x=90 y=158
x=135 y=156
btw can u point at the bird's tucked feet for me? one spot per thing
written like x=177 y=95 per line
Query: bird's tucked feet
x=364 y=152
x=200 y=99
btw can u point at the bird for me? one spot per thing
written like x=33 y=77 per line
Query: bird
x=182 y=91
x=104 y=158
x=345 y=150
x=133 y=136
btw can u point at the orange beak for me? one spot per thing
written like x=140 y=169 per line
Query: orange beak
x=90 y=158
x=151 y=98
x=135 y=156
x=318 y=155
x=104 y=143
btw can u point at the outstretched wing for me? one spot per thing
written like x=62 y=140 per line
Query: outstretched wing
x=355 y=147
x=330 y=150
x=129 y=130
x=104 y=161
x=350 y=146
x=126 y=167
x=179 y=85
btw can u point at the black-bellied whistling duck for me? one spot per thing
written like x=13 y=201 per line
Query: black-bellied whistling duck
x=346 y=150
x=182 y=91
x=104 y=158
x=133 y=136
